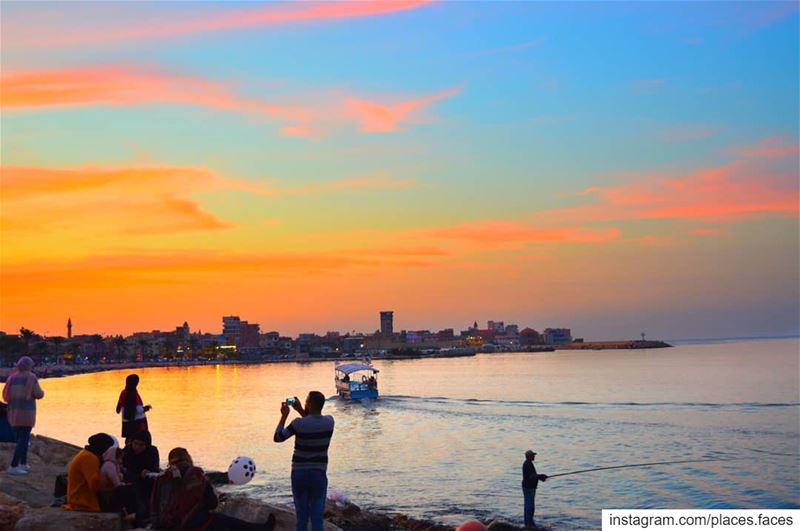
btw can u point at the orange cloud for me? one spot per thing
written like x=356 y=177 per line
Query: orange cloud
x=374 y=117
x=119 y=28
x=20 y=182
x=130 y=85
x=145 y=267
x=127 y=200
x=773 y=147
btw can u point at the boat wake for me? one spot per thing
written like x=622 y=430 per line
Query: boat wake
x=708 y=405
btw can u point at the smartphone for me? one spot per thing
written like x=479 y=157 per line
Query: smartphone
x=290 y=401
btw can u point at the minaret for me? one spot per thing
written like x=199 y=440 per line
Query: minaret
x=69 y=328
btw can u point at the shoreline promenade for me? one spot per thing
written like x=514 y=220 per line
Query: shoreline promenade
x=62 y=370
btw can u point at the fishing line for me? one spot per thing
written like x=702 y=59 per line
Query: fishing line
x=656 y=463
x=770 y=453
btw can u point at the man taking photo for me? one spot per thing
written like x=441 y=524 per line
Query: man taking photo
x=312 y=432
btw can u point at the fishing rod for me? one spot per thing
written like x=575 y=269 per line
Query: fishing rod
x=656 y=463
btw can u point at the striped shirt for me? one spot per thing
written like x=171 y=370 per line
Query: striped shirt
x=312 y=437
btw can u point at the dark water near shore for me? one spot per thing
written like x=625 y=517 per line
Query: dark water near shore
x=446 y=440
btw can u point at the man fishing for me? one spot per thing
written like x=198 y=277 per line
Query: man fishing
x=530 y=480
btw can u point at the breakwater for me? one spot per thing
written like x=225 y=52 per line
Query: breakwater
x=613 y=345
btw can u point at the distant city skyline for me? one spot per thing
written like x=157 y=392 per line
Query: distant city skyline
x=220 y=330
x=615 y=168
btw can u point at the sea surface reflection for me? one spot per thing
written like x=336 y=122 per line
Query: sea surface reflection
x=447 y=437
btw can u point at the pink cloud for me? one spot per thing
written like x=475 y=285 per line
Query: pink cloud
x=115 y=22
x=302 y=131
x=375 y=117
x=741 y=190
x=129 y=85
x=772 y=147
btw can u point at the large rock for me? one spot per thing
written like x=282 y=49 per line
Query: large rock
x=11 y=510
x=56 y=519
x=500 y=525
x=47 y=458
x=350 y=517
x=257 y=511
x=402 y=521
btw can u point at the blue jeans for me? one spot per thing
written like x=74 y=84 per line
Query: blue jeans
x=309 y=488
x=530 y=504
x=21 y=450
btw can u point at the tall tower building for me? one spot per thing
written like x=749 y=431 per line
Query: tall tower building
x=387 y=324
x=69 y=328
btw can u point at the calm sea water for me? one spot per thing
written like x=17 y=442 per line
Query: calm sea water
x=447 y=438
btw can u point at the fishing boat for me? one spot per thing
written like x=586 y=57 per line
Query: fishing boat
x=356 y=380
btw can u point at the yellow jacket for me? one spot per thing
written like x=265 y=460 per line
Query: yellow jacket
x=83 y=480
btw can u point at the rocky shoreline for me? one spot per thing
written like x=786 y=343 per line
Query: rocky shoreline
x=25 y=502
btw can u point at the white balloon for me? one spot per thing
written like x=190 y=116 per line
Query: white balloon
x=241 y=470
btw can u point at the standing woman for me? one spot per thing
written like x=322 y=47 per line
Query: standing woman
x=21 y=392
x=132 y=408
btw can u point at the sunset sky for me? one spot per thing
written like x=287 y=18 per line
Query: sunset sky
x=615 y=168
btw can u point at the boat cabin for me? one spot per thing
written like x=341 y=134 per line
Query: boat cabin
x=355 y=380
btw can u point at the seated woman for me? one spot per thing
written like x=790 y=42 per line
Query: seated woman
x=83 y=474
x=113 y=495
x=183 y=498
x=139 y=459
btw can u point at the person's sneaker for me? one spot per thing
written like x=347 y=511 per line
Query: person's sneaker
x=16 y=471
x=26 y=466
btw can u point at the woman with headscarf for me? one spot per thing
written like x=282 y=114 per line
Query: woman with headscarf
x=132 y=408
x=139 y=460
x=21 y=392
x=83 y=475
x=183 y=499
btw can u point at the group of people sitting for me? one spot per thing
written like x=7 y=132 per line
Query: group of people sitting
x=105 y=478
